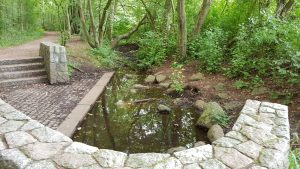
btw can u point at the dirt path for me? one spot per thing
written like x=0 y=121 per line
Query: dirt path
x=27 y=50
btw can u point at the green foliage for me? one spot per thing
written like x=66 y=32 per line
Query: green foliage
x=241 y=84
x=294 y=159
x=71 y=68
x=152 y=50
x=221 y=119
x=15 y=37
x=208 y=48
x=267 y=49
x=106 y=56
x=177 y=77
x=64 y=38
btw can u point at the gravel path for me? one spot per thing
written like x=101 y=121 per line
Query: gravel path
x=27 y=50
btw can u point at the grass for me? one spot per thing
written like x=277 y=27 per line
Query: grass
x=14 y=38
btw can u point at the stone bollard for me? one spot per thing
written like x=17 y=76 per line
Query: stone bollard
x=55 y=60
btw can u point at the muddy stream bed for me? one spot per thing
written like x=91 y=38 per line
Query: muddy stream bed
x=122 y=121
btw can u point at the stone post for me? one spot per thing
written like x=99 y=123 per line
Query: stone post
x=55 y=60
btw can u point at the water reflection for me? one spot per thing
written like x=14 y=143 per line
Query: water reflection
x=118 y=122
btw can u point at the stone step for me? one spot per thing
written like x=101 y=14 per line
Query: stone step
x=22 y=74
x=23 y=81
x=22 y=61
x=21 y=67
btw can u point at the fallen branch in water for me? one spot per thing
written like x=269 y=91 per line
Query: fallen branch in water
x=144 y=100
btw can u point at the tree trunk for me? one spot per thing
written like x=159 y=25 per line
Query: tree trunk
x=68 y=23
x=202 y=16
x=182 y=29
x=167 y=16
x=93 y=26
x=111 y=20
x=102 y=22
x=127 y=35
x=283 y=7
x=84 y=28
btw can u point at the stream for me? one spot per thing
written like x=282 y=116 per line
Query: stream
x=122 y=121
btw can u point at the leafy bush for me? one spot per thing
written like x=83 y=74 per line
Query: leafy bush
x=106 y=56
x=177 y=77
x=267 y=49
x=208 y=48
x=221 y=119
x=152 y=50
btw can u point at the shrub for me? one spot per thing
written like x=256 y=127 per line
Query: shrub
x=208 y=48
x=267 y=49
x=177 y=77
x=152 y=50
x=106 y=56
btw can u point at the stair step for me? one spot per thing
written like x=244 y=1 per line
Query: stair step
x=22 y=61
x=21 y=67
x=23 y=81
x=22 y=74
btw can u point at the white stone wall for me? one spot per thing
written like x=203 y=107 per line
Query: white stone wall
x=55 y=60
x=259 y=140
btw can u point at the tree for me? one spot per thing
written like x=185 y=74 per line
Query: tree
x=283 y=7
x=202 y=16
x=182 y=29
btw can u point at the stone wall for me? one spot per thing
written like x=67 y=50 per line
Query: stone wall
x=55 y=60
x=259 y=140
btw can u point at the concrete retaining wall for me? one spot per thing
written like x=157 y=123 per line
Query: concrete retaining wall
x=259 y=139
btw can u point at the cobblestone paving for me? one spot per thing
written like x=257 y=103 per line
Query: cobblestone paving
x=48 y=104
x=259 y=140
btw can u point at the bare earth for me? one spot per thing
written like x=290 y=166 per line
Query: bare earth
x=27 y=50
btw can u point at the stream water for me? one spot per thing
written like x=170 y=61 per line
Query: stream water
x=118 y=122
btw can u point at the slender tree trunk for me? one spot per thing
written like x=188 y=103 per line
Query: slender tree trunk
x=182 y=29
x=202 y=16
x=68 y=22
x=102 y=22
x=167 y=16
x=151 y=17
x=111 y=20
x=93 y=26
x=283 y=7
x=127 y=35
x=84 y=28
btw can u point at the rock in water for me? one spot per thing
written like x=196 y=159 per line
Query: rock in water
x=215 y=132
x=160 y=78
x=200 y=104
x=163 y=109
x=197 y=76
x=212 y=110
x=150 y=79
x=175 y=149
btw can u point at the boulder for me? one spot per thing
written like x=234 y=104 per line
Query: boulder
x=199 y=143
x=259 y=91
x=139 y=86
x=165 y=84
x=223 y=95
x=197 y=76
x=160 y=78
x=220 y=87
x=215 y=132
x=150 y=79
x=163 y=108
x=211 y=110
x=175 y=149
x=232 y=105
x=200 y=104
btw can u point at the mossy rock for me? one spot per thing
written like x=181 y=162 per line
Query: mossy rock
x=211 y=111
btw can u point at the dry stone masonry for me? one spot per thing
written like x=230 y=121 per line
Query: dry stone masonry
x=259 y=140
x=55 y=60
